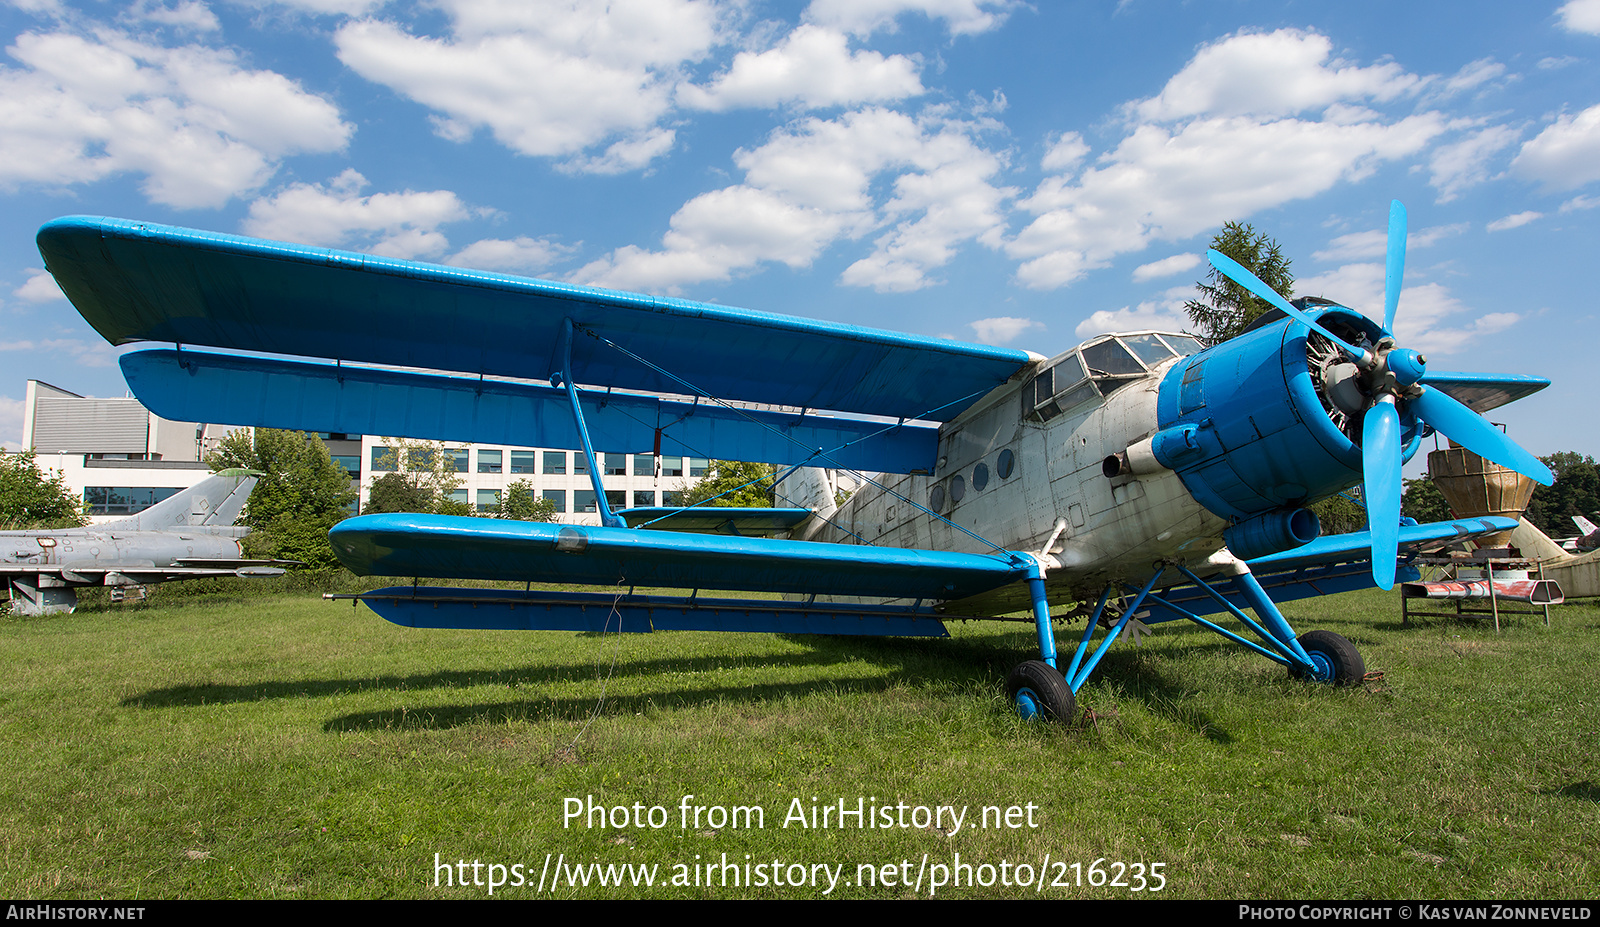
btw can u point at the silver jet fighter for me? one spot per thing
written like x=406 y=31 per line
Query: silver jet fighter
x=187 y=536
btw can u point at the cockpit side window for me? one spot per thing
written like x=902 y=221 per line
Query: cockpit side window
x=1056 y=389
x=1149 y=348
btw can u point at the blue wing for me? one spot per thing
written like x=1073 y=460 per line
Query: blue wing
x=135 y=281
x=1332 y=564
x=445 y=546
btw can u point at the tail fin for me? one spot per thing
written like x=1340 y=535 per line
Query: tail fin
x=809 y=488
x=216 y=501
x=1584 y=525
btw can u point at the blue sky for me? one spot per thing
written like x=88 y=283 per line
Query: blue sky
x=993 y=171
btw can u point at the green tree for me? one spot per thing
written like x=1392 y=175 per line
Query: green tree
x=395 y=492
x=519 y=502
x=302 y=495
x=1576 y=491
x=29 y=499
x=429 y=469
x=731 y=475
x=1339 y=515
x=1424 y=502
x=1225 y=308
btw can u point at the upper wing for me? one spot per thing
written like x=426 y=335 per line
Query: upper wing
x=135 y=281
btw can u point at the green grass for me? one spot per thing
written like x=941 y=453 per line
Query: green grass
x=219 y=746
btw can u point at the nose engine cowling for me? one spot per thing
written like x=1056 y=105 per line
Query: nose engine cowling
x=1262 y=425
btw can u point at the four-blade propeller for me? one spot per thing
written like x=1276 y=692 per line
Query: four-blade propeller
x=1389 y=380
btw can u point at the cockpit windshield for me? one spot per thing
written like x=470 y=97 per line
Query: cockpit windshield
x=1097 y=368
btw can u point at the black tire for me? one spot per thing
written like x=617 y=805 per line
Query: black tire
x=1037 y=690
x=1337 y=660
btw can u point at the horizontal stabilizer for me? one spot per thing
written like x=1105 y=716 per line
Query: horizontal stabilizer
x=189 y=386
x=136 y=281
x=453 y=547
x=601 y=613
x=1481 y=392
x=709 y=519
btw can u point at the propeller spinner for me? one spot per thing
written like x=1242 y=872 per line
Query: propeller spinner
x=1389 y=378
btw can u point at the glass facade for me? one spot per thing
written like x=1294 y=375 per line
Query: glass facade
x=125 y=500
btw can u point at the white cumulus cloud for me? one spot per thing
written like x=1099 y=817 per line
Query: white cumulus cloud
x=862 y=17
x=40 y=287
x=335 y=214
x=814 y=183
x=546 y=78
x=198 y=126
x=811 y=67
x=1272 y=74
x=1224 y=139
x=1514 y=221
x=1002 y=329
x=1165 y=267
x=1565 y=155
x=1580 y=16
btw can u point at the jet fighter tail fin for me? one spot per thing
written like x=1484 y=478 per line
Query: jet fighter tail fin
x=215 y=501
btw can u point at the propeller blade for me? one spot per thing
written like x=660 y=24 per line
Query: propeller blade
x=1473 y=432
x=1395 y=266
x=1380 y=469
x=1241 y=275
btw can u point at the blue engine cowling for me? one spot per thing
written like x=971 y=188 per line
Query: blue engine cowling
x=1248 y=428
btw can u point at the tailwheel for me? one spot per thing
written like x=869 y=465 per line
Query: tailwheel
x=1333 y=658
x=1039 y=691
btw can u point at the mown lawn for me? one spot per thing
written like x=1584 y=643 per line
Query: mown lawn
x=287 y=747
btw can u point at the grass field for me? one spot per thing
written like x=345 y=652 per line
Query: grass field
x=286 y=747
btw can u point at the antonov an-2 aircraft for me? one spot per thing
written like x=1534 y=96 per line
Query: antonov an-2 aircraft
x=189 y=535
x=1135 y=476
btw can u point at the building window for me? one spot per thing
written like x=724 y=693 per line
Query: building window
x=644 y=500
x=456 y=460
x=351 y=464
x=580 y=464
x=488 y=500
x=671 y=499
x=616 y=464
x=644 y=465
x=583 y=501
x=459 y=496
x=522 y=461
x=383 y=459
x=555 y=462
x=489 y=461
x=672 y=466
x=698 y=466
x=420 y=460
x=616 y=499
x=559 y=497
x=122 y=500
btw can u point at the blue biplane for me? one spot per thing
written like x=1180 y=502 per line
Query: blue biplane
x=1138 y=476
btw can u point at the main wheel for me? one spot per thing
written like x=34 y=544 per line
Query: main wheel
x=1335 y=659
x=1038 y=690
